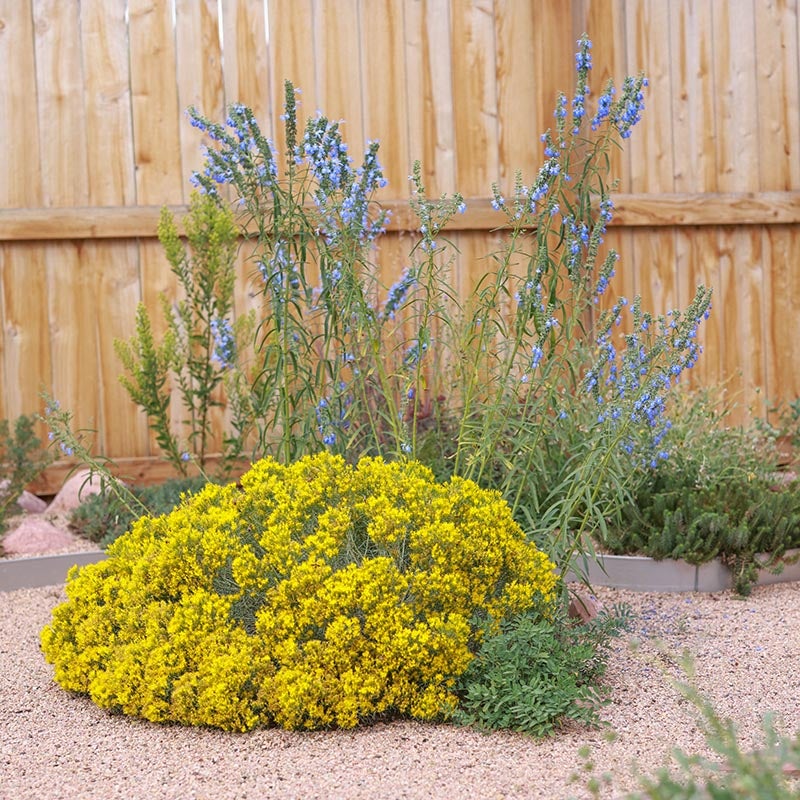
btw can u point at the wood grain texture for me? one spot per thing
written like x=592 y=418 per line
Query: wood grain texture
x=339 y=80
x=605 y=22
x=384 y=91
x=27 y=355
x=291 y=23
x=60 y=103
x=199 y=78
x=473 y=64
x=247 y=75
x=109 y=122
x=694 y=123
x=156 y=110
x=777 y=42
x=156 y=129
x=71 y=303
x=93 y=128
x=19 y=121
x=519 y=120
x=430 y=81
x=110 y=268
x=630 y=211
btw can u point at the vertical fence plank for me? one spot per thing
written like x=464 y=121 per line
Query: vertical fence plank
x=247 y=80
x=777 y=45
x=741 y=292
x=475 y=118
x=157 y=146
x=27 y=355
x=19 y=122
x=339 y=79
x=291 y=22
x=24 y=347
x=385 y=92
x=65 y=182
x=604 y=21
x=156 y=111
x=199 y=77
x=429 y=76
x=781 y=253
x=109 y=125
x=200 y=84
x=693 y=135
x=519 y=121
x=59 y=76
x=652 y=250
x=247 y=72
x=111 y=267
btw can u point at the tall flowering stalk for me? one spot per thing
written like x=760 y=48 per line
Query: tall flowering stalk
x=313 y=222
x=524 y=385
x=549 y=402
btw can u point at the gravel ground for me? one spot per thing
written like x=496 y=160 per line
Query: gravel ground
x=57 y=745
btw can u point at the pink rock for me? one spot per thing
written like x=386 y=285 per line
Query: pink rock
x=31 y=503
x=26 y=501
x=583 y=606
x=36 y=535
x=76 y=489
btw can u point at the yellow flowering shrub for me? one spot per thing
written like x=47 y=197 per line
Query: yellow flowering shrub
x=312 y=595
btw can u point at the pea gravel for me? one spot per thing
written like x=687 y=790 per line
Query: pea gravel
x=57 y=745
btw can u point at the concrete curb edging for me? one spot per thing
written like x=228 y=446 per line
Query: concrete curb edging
x=642 y=574
x=36 y=571
x=637 y=573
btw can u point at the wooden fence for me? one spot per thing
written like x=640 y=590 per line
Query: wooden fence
x=94 y=141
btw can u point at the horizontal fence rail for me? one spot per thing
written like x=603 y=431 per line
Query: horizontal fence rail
x=121 y=222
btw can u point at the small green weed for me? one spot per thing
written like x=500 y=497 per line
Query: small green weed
x=739 y=775
x=21 y=460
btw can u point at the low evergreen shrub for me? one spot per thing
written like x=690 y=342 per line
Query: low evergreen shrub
x=535 y=673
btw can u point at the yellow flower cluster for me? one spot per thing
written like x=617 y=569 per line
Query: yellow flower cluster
x=313 y=595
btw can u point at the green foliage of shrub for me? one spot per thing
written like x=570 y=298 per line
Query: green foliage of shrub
x=201 y=351
x=21 y=460
x=104 y=517
x=535 y=673
x=717 y=495
x=312 y=595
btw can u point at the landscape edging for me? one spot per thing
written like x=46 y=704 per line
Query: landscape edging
x=637 y=573
x=643 y=574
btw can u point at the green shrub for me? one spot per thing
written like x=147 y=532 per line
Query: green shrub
x=536 y=673
x=311 y=595
x=715 y=496
x=104 y=517
x=21 y=460
x=200 y=352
